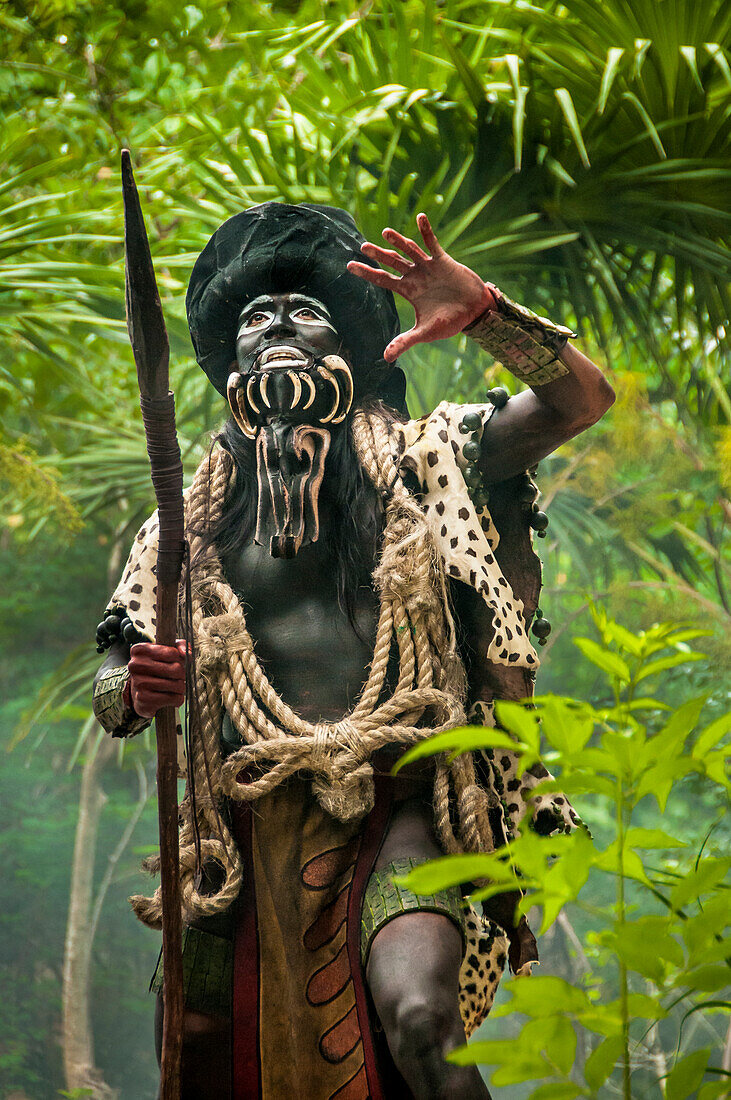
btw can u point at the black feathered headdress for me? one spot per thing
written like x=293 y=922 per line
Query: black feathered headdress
x=275 y=248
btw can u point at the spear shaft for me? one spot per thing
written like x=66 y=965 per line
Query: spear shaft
x=148 y=337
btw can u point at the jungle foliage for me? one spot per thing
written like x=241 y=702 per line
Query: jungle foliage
x=577 y=155
x=657 y=953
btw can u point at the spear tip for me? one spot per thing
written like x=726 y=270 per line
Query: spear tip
x=145 y=322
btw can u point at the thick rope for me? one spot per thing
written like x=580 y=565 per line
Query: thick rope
x=276 y=742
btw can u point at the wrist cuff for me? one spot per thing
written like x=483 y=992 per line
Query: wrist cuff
x=112 y=707
x=526 y=344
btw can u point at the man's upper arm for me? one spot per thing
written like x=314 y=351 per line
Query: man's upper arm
x=520 y=434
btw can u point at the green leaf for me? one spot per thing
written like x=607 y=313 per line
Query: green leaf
x=604 y=659
x=566 y=103
x=716 y=1090
x=602 y=1061
x=632 y=939
x=624 y=638
x=686 y=1075
x=459 y=740
x=664 y=663
x=646 y=1008
x=706 y=979
x=711 y=735
x=519 y=720
x=543 y=995
x=699 y=881
x=651 y=838
x=614 y=56
x=557 y=1091
x=681 y=722
x=658 y=780
x=438 y=874
x=563 y=727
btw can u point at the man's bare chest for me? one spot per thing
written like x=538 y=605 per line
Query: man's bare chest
x=296 y=615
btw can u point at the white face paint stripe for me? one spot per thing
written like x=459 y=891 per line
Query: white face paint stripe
x=323 y=319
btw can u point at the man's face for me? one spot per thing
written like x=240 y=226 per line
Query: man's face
x=289 y=364
x=284 y=330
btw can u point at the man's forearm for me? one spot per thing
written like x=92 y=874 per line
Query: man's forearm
x=582 y=395
x=110 y=695
x=567 y=394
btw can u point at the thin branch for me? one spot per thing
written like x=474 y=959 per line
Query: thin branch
x=562 y=479
x=669 y=572
x=568 y=930
x=726 y=1058
x=116 y=855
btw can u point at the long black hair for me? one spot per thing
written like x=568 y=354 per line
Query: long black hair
x=356 y=506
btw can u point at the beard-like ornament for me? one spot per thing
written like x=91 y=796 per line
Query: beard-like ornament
x=287 y=405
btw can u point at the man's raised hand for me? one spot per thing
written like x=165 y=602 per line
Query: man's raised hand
x=445 y=294
x=156 y=677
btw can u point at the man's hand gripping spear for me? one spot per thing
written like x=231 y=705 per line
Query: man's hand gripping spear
x=149 y=341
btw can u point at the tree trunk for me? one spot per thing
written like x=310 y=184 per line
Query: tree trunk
x=78 y=1043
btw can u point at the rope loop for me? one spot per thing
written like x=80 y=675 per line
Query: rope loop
x=414 y=620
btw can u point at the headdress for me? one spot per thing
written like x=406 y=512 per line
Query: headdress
x=275 y=248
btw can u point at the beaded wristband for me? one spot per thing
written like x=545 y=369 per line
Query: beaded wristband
x=112 y=713
x=526 y=344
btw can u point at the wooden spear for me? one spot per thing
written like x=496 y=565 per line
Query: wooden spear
x=149 y=341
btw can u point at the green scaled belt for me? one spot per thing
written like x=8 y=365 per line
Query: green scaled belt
x=207 y=973
x=384 y=900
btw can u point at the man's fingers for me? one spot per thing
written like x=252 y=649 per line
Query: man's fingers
x=406 y=245
x=388 y=257
x=430 y=237
x=403 y=342
x=374 y=275
x=147 y=704
x=169 y=654
x=145 y=667
x=156 y=685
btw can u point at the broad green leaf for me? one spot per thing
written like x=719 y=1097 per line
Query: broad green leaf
x=651 y=838
x=711 y=735
x=658 y=780
x=647 y=947
x=662 y=664
x=699 y=881
x=615 y=632
x=686 y=1075
x=706 y=979
x=602 y=1061
x=438 y=874
x=543 y=995
x=680 y=723
x=646 y=1008
x=714 y=1090
x=520 y=721
x=562 y=727
x=560 y=1043
x=459 y=740
x=557 y=1091
x=716 y=767
x=604 y=659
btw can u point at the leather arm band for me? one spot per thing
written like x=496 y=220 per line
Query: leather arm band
x=526 y=344
x=111 y=705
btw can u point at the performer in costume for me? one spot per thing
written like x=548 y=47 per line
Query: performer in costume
x=358 y=580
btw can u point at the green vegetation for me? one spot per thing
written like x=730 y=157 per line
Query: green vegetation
x=655 y=956
x=577 y=155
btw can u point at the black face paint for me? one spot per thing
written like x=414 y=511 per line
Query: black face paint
x=294 y=320
x=289 y=368
x=290 y=388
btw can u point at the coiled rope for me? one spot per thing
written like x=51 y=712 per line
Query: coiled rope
x=276 y=741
